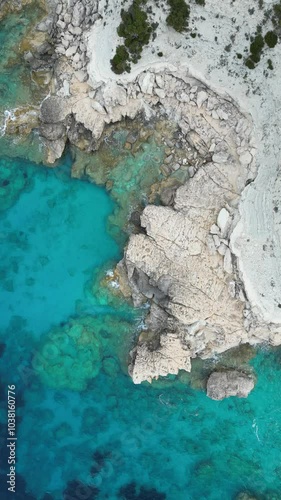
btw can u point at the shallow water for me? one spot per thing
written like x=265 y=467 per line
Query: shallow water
x=16 y=88
x=54 y=236
x=58 y=237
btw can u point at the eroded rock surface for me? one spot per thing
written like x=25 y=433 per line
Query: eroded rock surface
x=224 y=384
x=170 y=356
x=183 y=263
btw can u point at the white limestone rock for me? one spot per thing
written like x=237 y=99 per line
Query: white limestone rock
x=223 y=221
x=223 y=384
x=171 y=356
x=146 y=82
x=160 y=93
x=222 y=249
x=160 y=81
x=220 y=157
x=71 y=51
x=81 y=76
x=114 y=95
x=201 y=98
x=78 y=14
x=214 y=229
x=245 y=158
x=227 y=262
x=98 y=107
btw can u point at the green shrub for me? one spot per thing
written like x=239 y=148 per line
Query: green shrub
x=271 y=39
x=135 y=28
x=249 y=63
x=200 y=2
x=120 y=61
x=257 y=45
x=276 y=19
x=269 y=64
x=256 y=57
x=179 y=15
x=256 y=50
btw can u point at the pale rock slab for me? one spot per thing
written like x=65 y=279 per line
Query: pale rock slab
x=114 y=95
x=146 y=83
x=223 y=384
x=201 y=98
x=171 y=356
x=223 y=221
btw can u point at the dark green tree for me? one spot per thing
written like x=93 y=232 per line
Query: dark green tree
x=136 y=31
x=256 y=48
x=276 y=19
x=179 y=15
x=135 y=28
x=271 y=39
x=120 y=62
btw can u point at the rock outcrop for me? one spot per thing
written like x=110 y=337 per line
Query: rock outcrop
x=223 y=384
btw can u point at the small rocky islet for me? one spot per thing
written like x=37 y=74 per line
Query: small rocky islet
x=170 y=307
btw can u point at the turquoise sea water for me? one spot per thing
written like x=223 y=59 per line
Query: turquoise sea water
x=111 y=440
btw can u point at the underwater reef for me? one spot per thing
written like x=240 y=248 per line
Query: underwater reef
x=70 y=357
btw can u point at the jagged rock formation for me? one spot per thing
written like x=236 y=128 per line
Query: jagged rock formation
x=224 y=384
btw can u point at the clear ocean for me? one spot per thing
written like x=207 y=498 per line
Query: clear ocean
x=84 y=430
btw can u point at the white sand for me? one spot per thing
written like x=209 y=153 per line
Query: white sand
x=256 y=238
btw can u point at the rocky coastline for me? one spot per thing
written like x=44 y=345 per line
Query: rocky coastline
x=181 y=262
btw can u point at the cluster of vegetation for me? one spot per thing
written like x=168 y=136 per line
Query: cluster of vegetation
x=255 y=51
x=120 y=62
x=276 y=18
x=270 y=39
x=136 y=31
x=179 y=14
x=257 y=45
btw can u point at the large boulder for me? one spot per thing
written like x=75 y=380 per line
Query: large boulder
x=53 y=110
x=52 y=131
x=54 y=150
x=151 y=361
x=223 y=384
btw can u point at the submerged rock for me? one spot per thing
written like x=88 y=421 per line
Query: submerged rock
x=246 y=496
x=70 y=356
x=223 y=384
